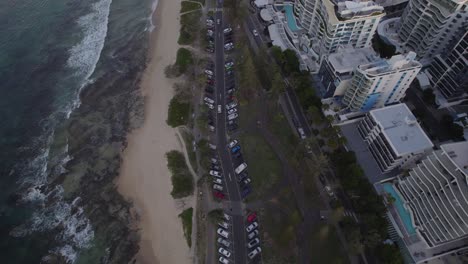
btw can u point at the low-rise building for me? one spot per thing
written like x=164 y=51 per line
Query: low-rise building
x=394 y=137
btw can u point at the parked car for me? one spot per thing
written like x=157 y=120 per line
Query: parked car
x=224 y=242
x=208 y=100
x=240 y=168
x=211 y=128
x=226 y=217
x=214 y=160
x=251 y=227
x=209 y=72
x=215 y=173
x=233 y=143
x=255 y=33
x=246 y=181
x=223 y=225
x=217 y=187
x=246 y=191
x=223 y=260
x=232 y=116
x=242 y=177
x=254 y=253
x=253 y=243
x=252 y=234
x=222 y=233
x=232 y=111
x=252 y=217
x=210 y=106
x=219 y=194
x=224 y=252
x=227 y=30
x=218 y=181
x=212 y=146
x=229 y=64
x=235 y=149
x=231 y=105
x=215 y=167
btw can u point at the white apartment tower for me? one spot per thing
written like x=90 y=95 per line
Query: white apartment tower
x=329 y=25
x=428 y=26
x=436 y=193
x=381 y=82
x=394 y=137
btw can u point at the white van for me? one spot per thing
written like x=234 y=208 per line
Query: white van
x=240 y=168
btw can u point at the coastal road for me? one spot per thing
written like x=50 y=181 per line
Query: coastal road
x=234 y=205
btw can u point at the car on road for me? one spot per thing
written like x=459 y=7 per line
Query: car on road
x=253 y=243
x=223 y=225
x=252 y=234
x=231 y=105
x=224 y=242
x=235 y=149
x=220 y=109
x=233 y=143
x=218 y=181
x=329 y=191
x=240 y=168
x=254 y=252
x=215 y=173
x=218 y=21
x=232 y=111
x=232 y=116
x=252 y=217
x=301 y=132
x=223 y=260
x=222 y=233
x=227 y=30
x=219 y=194
x=251 y=227
x=255 y=33
x=224 y=252
x=217 y=187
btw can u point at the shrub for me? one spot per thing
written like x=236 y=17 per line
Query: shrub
x=182 y=180
x=178 y=113
x=184 y=60
x=186 y=217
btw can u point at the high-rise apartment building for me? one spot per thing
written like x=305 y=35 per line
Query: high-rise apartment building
x=331 y=24
x=449 y=72
x=436 y=193
x=394 y=137
x=381 y=82
x=428 y=26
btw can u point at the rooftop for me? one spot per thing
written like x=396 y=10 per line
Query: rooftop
x=400 y=127
x=397 y=62
x=346 y=10
x=346 y=60
x=458 y=152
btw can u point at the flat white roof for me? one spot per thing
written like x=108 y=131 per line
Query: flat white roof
x=275 y=36
x=458 y=152
x=261 y=3
x=400 y=127
x=265 y=15
x=346 y=60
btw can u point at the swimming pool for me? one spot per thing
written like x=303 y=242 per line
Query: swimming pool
x=402 y=212
x=290 y=17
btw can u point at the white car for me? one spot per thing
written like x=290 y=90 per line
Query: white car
x=224 y=252
x=301 y=132
x=218 y=181
x=253 y=234
x=229 y=64
x=208 y=72
x=218 y=21
x=208 y=100
x=212 y=128
x=329 y=191
x=226 y=217
x=232 y=111
x=254 y=253
x=255 y=33
x=228 y=45
x=223 y=260
x=232 y=116
x=215 y=173
x=231 y=105
x=233 y=143
x=222 y=233
x=217 y=187
x=252 y=226
x=220 y=109
x=213 y=147
x=224 y=242
x=223 y=225
x=214 y=161
x=253 y=243
x=210 y=106
x=227 y=30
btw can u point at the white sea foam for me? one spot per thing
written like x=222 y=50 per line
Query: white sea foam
x=153 y=9
x=85 y=55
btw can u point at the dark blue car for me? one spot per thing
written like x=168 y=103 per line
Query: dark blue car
x=235 y=149
x=246 y=191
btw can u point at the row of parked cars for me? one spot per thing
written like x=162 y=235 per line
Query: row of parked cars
x=210 y=28
x=240 y=166
x=224 y=243
x=253 y=244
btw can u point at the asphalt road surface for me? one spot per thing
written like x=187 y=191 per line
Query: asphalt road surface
x=234 y=205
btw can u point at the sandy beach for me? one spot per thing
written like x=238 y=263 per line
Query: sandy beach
x=144 y=177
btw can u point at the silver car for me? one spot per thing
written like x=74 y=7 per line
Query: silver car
x=224 y=252
x=253 y=243
x=224 y=242
x=232 y=116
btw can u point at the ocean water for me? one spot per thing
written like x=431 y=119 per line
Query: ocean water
x=50 y=51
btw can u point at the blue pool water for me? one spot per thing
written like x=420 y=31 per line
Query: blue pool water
x=290 y=17
x=404 y=214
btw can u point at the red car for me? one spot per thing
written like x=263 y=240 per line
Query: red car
x=252 y=217
x=219 y=194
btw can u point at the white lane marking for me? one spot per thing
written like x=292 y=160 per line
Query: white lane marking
x=229 y=175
